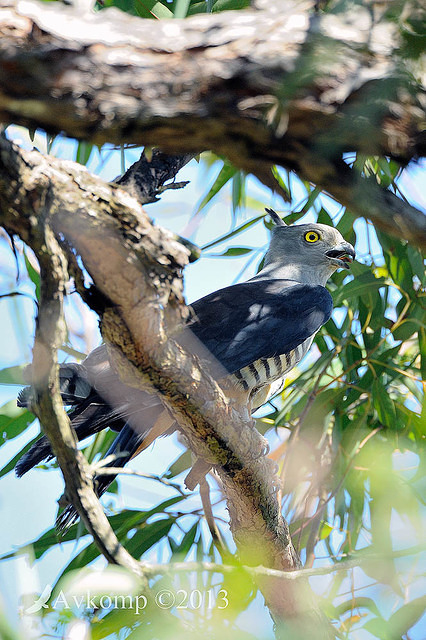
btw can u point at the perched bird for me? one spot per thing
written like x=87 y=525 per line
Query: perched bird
x=254 y=333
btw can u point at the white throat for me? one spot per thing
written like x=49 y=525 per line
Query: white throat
x=298 y=272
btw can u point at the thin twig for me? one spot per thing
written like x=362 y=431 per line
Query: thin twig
x=344 y=565
x=210 y=519
x=342 y=479
x=100 y=469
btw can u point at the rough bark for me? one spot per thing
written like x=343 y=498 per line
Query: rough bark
x=279 y=86
x=142 y=285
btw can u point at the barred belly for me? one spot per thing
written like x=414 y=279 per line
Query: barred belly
x=267 y=370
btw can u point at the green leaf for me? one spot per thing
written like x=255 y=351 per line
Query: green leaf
x=83 y=153
x=128 y=6
x=413 y=322
x=148 y=535
x=113 y=487
x=173 y=544
x=13 y=421
x=422 y=349
x=406 y=616
x=121 y=523
x=225 y=174
x=153 y=9
x=198 y=6
x=235 y=251
x=379 y=628
x=417 y=263
x=48 y=540
x=33 y=275
x=99 y=444
x=324 y=217
x=358 y=287
x=397 y=262
x=346 y=227
x=311 y=200
x=324 y=404
x=233 y=233
x=357 y=603
x=114 y=623
x=82 y=559
x=11 y=464
x=181 y=464
x=238 y=192
x=185 y=545
x=181 y=8
x=230 y=5
x=351 y=355
x=325 y=530
x=70 y=351
x=383 y=404
x=277 y=175
x=13 y=375
x=158 y=9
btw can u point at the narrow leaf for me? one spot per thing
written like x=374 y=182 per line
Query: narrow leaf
x=148 y=536
x=383 y=404
x=13 y=421
x=225 y=174
x=234 y=251
x=233 y=233
x=358 y=287
x=181 y=464
x=83 y=153
x=406 y=616
x=187 y=541
x=33 y=275
x=11 y=464
x=181 y=9
x=13 y=375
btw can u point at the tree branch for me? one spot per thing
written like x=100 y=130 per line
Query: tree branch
x=145 y=179
x=358 y=560
x=279 y=86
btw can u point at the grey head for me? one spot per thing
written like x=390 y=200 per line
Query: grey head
x=308 y=253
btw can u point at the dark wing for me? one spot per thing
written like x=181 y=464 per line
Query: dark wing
x=258 y=319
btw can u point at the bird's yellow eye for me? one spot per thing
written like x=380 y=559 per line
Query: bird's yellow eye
x=312 y=236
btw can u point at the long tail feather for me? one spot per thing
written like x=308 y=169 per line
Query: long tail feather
x=39 y=451
x=123 y=448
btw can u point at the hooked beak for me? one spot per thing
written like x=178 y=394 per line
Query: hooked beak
x=342 y=256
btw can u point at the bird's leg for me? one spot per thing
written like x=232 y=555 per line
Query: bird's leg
x=199 y=470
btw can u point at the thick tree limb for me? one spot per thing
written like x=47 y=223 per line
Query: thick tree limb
x=279 y=86
x=141 y=280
